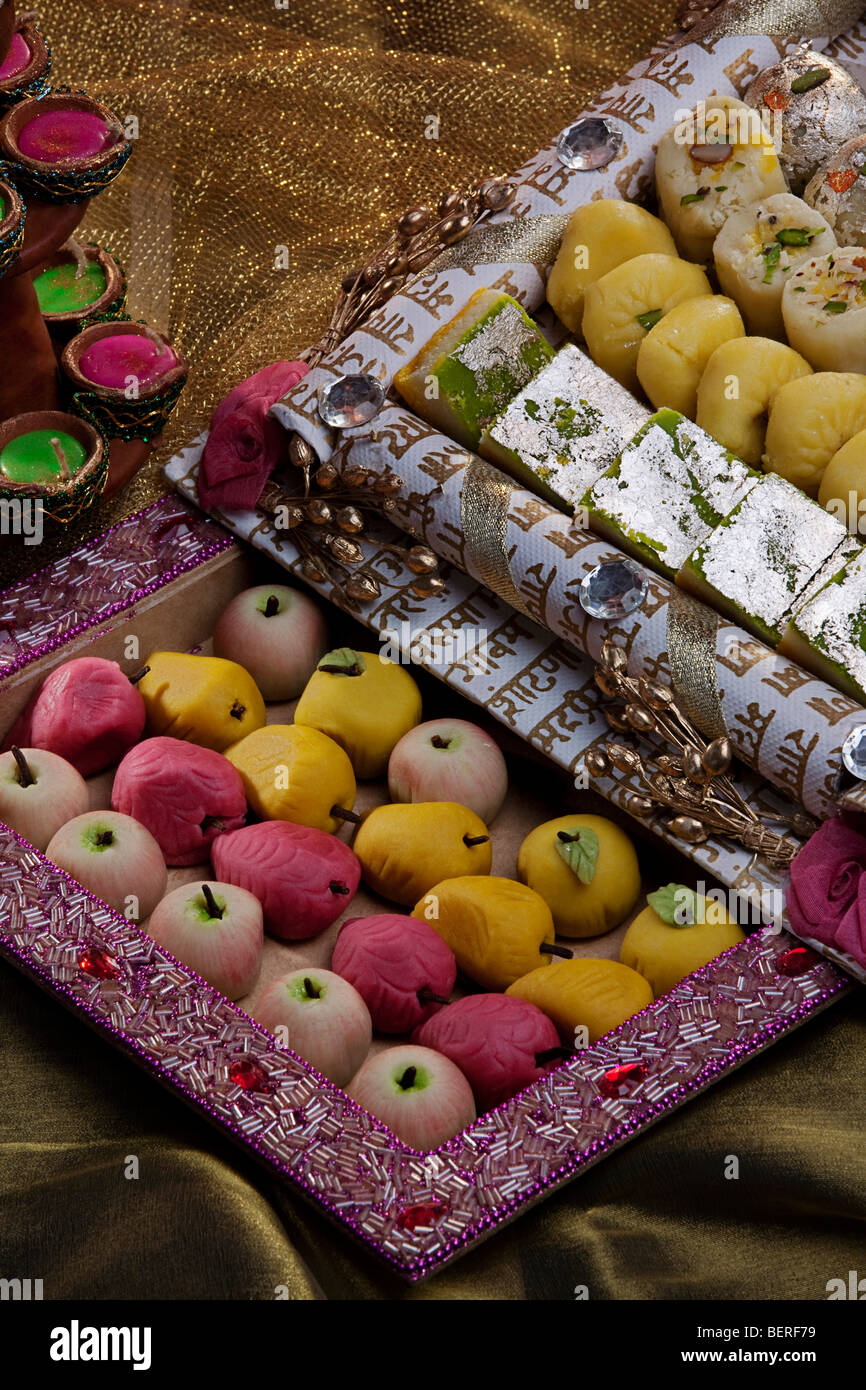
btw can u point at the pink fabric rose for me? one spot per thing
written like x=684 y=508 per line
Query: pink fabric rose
x=245 y=445
x=826 y=899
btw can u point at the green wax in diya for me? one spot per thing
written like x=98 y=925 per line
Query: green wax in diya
x=59 y=292
x=32 y=458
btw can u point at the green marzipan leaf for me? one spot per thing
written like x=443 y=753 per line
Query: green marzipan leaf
x=579 y=852
x=343 y=661
x=675 y=904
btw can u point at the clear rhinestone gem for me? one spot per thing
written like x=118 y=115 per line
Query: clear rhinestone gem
x=614 y=589
x=590 y=143
x=854 y=752
x=351 y=400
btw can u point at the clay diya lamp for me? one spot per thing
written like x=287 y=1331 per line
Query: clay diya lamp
x=77 y=285
x=25 y=68
x=29 y=376
x=52 y=459
x=126 y=379
x=63 y=149
x=8 y=25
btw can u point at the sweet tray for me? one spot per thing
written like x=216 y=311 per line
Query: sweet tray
x=168 y=571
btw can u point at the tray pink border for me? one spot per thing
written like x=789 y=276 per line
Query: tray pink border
x=415 y=1211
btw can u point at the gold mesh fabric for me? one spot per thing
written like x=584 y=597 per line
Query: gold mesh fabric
x=302 y=127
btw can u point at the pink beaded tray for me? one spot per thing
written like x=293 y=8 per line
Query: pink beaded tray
x=416 y=1211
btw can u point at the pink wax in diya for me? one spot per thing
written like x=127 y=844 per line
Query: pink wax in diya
x=112 y=360
x=65 y=134
x=17 y=59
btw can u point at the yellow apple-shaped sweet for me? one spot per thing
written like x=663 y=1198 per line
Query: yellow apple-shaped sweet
x=203 y=699
x=296 y=774
x=496 y=927
x=585 y=993
x=600 y=890
x=362 y=702
x=679 y=932
x=408 y=847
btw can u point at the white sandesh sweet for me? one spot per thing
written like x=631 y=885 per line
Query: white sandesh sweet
x=757 y=250
x=824 y=309
x=756 y=564
x=715 y=162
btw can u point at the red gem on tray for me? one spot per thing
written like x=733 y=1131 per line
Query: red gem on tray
x=797 y=961
x=619 y=1080
x=247 y=1074
x=95 y=961
x=425 y=1214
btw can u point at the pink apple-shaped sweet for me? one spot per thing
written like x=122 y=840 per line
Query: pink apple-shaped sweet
x=400 y=967
x=115 y=858
x=501 y=1044
x=277 y=634
x=185 y=795
x=215 y=929
x=303 y=878
x=87 y=711
x=417 y=1093
x=39 y=792
x=449 y=760
x=325 y=1021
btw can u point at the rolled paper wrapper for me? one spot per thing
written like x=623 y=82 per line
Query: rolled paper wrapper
x=65 y=177
x=62 y=499
x=27 y=47
x=13 y=218
x=64 y=323
x=108 y=408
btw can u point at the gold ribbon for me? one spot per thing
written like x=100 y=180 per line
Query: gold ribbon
x=777 y=18
x=532 y=239
x=484 y=520
x=692 y=629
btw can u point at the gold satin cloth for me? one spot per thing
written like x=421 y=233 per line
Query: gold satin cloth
x=304 y=127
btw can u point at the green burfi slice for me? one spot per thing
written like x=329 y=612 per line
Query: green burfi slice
x=563 y=429
x=669 y=488
x=759 y=561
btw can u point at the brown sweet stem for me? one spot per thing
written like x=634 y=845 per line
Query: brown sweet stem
x=237 y=710
x=407 y=1080
x=272 y=606
x=25 y=776
x=337 y=887
x=548 y=949
x=340 y=813
x=138 y=675
x=437 y=741
x=211 y=903
x=472 y=840
x=426 y=996
x=330 y=670
x=212 y=823
x=310 y=989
